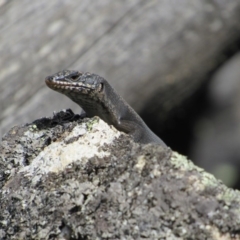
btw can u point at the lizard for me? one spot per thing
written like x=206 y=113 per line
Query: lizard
x=98 y=98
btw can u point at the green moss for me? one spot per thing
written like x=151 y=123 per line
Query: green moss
x=91 y=122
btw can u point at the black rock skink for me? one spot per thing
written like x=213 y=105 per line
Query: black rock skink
x=97 y=98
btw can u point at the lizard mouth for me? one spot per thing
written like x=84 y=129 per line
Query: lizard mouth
x=54 y=84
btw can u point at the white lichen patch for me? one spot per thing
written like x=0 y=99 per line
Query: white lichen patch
x=141 y=161
x=79 y=145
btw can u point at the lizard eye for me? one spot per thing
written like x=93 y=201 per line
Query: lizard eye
x=74 y=75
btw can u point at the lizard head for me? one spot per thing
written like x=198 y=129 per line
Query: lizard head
x=90 y=91
x=70 y=81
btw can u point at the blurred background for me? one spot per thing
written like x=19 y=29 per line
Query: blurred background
x=178 y=66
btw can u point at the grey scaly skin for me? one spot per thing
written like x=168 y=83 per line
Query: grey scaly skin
x=97 y=98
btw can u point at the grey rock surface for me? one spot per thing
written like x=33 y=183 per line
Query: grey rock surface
x=148 y=50
x=71 y=178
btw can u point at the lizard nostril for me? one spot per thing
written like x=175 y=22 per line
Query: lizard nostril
x=49 y=78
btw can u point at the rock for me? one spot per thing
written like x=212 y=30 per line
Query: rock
x=71 y=178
